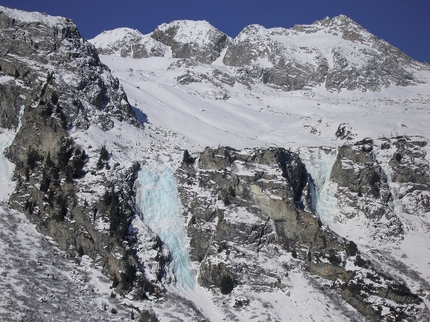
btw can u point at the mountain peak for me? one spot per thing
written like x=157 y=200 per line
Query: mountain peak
x=336 y=20
x=329 y=51
x=188 y=38
x=186 y=23
x=343 y=19
x=127 y=42
x=253 y=30
x=198 y=32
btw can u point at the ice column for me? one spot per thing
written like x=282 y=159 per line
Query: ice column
x=319 y=167
x=161 y=210
x=6 y=167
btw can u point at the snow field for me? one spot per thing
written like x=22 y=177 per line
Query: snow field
x=264 y=116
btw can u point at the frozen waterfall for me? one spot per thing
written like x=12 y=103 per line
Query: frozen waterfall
x=160 y=208
x=6 y=167
x=319 y=165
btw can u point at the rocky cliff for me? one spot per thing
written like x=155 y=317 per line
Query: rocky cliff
x=53 y=83
x=259 y=209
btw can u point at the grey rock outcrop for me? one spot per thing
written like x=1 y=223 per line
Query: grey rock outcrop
x=363 y=186
x=409 y=169
x=375 y=182
x=11 y=102
x=260 y=57
x=45 y=56
x=356 y=169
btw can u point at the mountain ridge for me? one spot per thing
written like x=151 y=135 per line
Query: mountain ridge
x=281 y=57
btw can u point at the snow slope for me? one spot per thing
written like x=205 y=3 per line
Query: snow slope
x=263 y=115
x=39 y=282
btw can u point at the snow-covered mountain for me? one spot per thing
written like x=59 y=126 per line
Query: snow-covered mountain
x=280 y=175
x=127 y=42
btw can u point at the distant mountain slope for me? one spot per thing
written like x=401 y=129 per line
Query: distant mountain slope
x=337 y=53
x=348 y=102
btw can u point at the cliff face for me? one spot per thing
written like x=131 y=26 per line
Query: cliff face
x=41 y=52
x=243 y=203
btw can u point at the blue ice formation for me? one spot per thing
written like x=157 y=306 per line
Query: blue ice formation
x=5 y=166
x=160 y=208
x=322 y=199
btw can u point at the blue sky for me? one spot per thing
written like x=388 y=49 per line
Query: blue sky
x=403 y=23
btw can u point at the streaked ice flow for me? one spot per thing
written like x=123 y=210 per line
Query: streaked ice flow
x=160 y=208
x=319 y=167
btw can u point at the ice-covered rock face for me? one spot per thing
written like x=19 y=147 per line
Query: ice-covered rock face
x=336 y=52
x=126 y=42
x=160 y=208
x=192 y=39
